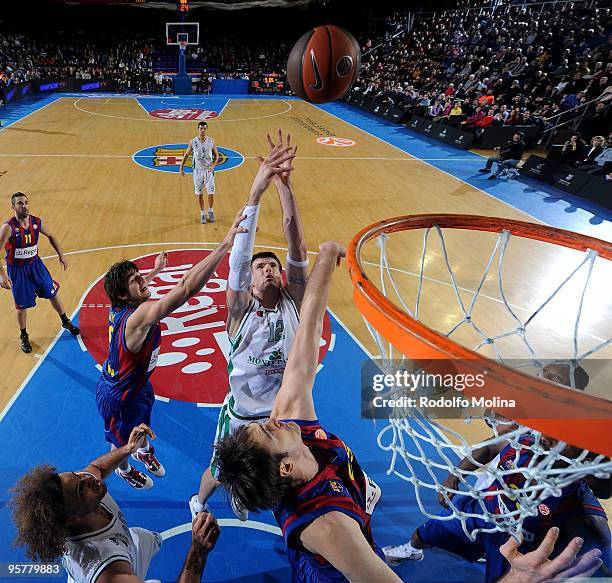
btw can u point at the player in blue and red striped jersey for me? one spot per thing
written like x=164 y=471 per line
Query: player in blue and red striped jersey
x=124 y=395
x=26 y=275
x=321 y=498
x=576 y=512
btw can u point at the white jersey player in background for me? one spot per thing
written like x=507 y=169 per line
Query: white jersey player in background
x=263 y=313
x=72 y=517
x=205 y=158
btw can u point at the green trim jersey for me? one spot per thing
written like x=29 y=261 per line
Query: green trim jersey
x=202 y=152
x=90 y=553
x=258 y=356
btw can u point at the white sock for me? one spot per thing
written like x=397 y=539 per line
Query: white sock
x=145 y=449
x=411 y=548
x=126 y=471
x=199 y=507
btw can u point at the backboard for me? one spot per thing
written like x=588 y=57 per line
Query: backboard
x=178 y=32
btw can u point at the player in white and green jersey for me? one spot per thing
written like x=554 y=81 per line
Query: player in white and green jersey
x=263 y=311
x=70 y=516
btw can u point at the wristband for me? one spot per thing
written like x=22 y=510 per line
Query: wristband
x=295 y=263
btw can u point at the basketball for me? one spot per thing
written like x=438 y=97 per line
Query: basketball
x=323 y=64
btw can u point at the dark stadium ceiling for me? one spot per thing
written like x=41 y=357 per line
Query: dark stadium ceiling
x=211 y=4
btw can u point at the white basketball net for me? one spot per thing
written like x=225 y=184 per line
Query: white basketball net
x=425 y=451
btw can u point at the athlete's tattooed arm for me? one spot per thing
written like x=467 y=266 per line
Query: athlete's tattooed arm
x=294 y=399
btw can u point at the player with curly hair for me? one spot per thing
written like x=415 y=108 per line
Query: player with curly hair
x=72 y=517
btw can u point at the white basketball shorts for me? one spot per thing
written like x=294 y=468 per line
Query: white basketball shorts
x=204 y=179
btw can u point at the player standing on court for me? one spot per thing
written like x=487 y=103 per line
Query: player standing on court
x=72 y=517
x=263 y=313
x=27 y=275
x=205 y=158
x=124 y=395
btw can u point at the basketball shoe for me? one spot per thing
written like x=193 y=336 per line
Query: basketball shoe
x=241 y=513
x=25 y=343
x=71 y=328
x=135 y=478
x=150 y=461
x=405 y=552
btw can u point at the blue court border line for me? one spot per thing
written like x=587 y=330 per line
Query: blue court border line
x=15 y=111
x=544 y=203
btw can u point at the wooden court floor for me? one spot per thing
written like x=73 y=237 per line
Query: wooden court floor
x=73 y=159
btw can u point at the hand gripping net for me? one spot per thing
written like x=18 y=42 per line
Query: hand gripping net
x=424 y=450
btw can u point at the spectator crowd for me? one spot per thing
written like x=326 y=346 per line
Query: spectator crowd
x=134 y=62
x=543 y=65
x=128 y=62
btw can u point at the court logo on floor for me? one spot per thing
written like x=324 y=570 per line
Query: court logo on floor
x=334 y=141
x=192 y=364
x=167 y=158
x=184 y=114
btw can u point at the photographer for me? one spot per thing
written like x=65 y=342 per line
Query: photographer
x=508 y=157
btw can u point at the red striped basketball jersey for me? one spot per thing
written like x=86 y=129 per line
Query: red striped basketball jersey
x=125 y=373
x=575 y=499
x=22 y=245
x=339 y=486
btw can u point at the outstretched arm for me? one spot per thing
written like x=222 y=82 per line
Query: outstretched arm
x=535 y=567
x=160 y=264
x=294 y=399
x=204 y=534
x=239 y=280
x=297 y=256
x=149 y=313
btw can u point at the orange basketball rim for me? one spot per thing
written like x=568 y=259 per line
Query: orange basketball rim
x=579 y=419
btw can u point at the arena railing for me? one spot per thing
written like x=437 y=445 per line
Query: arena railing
x=577 y=120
